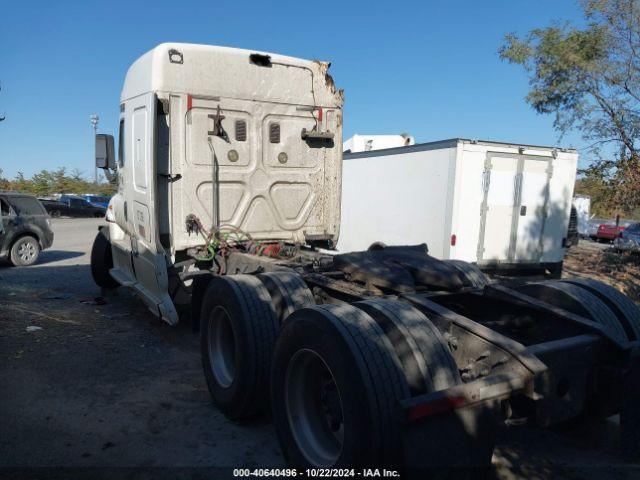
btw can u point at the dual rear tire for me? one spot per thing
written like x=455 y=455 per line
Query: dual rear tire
x=593 y=300
x=334 y=375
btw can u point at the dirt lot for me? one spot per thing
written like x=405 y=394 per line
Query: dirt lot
x=104 y=386
x=598 y=261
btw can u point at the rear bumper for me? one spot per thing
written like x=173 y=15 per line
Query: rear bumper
x=457 y=427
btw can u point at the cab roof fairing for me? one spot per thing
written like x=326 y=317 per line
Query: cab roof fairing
x=212 y=71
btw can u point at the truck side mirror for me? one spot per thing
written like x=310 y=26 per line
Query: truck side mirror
x=105 y=156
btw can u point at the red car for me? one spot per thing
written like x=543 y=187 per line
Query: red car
x=607 y=232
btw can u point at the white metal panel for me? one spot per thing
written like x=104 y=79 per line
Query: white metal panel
x=583 y=209
x=501 y=197
x=212 y=71
x=273 y=191
x=139 y=148
x=366 y=143
x=560 y=194
x=467 y=202
x=532 y=209
x=397 y=199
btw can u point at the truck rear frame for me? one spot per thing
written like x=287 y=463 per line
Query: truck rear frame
x=227 y=193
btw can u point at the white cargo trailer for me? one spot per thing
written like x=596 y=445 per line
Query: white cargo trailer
x=492 y=203
x=366 y=143
x=583 y=213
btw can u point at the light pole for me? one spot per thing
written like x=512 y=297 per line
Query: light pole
x=94 y=122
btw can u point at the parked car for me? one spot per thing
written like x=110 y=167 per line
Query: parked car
x=629 y=239
x=73 y=206
x=608 y=232
x=25 y=228
x=592 y=229
x=97 y=200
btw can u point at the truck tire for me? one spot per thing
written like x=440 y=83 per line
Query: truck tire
x=288 y=292
x=624 y=308
x=578 y=301
x=424 y=355
x=470 y=272
x=238 y=331
x=336 y=390
x=376 y=247
x=102 y=260
x=24 y=251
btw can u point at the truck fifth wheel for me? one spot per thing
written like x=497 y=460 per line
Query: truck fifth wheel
x=228 y=204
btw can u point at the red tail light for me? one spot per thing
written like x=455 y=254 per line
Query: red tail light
x=453 y=240
x=435 y=407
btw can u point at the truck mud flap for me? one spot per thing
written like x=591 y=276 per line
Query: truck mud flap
x=456 y=428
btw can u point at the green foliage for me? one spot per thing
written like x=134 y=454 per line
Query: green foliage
x=589 y=79
x=47 y=182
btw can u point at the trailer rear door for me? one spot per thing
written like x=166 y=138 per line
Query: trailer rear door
x=532 y=209
x=514 y=208
x=501 y=173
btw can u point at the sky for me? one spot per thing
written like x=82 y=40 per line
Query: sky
x=427 y=68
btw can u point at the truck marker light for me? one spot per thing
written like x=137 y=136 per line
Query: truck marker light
x=189 y=102
x=435 y=407
x=110 y=215
x=319 y=114
x=453 y=239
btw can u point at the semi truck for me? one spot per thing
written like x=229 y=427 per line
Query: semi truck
x=501 y=205
x=229 y=181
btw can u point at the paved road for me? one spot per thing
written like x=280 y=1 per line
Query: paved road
x=111 y=386
x=105 y=385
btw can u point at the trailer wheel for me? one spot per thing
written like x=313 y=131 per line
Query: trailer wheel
x=238 y=332
x=424 y=355
x=336 y=390
x=625 y=309
x=576 y=300
x=102 y=260
x=470 y=272
x=288 y=292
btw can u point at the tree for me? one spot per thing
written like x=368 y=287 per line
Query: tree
x=589 y=78
x=45 y=183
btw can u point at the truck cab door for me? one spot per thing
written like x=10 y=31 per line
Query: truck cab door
x=148 y=260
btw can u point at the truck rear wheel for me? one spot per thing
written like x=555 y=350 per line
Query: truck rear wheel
x=624 y=308
x=288 y=292
x=238 y=331
x=336 y=390
x=576 y=300
x=424 y=355
x=102 y=260
x=470 y=272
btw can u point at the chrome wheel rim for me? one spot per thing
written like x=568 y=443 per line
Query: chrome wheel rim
x=26 y=251
x=222 y=347
x=314 y=408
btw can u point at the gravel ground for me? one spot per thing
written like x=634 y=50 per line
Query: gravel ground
x=105 y=386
